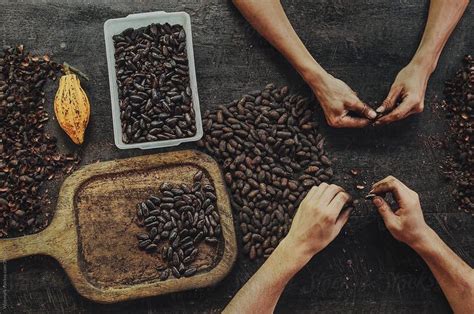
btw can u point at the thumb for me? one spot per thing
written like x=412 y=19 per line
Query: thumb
x=391 y=99
x=384 y=210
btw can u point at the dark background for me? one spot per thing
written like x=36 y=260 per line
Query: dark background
x=363 y=42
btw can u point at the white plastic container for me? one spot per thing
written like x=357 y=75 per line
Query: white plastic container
x=116 y=26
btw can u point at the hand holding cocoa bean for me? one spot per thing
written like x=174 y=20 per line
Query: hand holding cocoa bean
x=406 y=223
x=408 y=91
x=338 y=100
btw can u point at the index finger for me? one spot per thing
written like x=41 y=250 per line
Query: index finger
x=390 y=185
x=363 y=109
x=390 y=101
x=353 y=122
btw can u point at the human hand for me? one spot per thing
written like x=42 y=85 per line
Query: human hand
x=317 y=221
x=409 y=89
x=337 y=100
x=406 y=223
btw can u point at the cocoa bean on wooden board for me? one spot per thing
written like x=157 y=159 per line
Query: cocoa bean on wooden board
x=176 y=221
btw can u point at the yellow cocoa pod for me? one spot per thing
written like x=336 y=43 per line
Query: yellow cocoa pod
x=71 y=106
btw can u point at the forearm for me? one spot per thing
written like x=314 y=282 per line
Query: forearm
x=454 y=276
x=270 y=20
x=442 y=19
x=261 y=293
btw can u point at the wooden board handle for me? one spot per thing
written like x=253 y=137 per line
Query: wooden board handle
x=56 y=240
x=33 y=244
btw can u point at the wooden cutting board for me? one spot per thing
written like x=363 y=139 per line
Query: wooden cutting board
x=93 y=230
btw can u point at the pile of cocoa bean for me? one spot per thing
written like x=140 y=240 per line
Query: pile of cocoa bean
x=28 y=155
x=268 y=144
x=459 y=106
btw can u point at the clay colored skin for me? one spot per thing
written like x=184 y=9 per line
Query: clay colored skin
x=71 y=106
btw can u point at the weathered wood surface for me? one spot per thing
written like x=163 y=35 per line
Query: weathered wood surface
x=363 y=42
x=92 y=234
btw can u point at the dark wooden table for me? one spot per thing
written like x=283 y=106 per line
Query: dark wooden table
x=365 y=43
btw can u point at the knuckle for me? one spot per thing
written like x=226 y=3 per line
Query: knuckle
x=332 y=121
x=352 y=104
x=396 y=182
x=328 y=219
x=391 y=179
x=415 y=196
x=335 y=122
x=345 y=196
x=338 y=124
x=396 y=229
x=419 y=108
x=397 y=115
x=390 y=226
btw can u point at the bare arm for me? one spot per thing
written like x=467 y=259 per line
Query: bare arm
x=261 y=293
x=335 y=97
x=410 y=84
x=443 y=17
x=454 y=276
x=406 y=224
x=317 y=222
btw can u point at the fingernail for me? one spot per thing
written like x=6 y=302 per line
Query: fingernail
x=380 y=109
x=372 y=114
x=370 y=196
x=377 y=201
